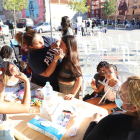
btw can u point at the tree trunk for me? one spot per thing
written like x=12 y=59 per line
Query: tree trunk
x=14 y=19
x=107 y=21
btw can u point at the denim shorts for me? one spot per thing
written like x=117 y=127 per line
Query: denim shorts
x=7 y=134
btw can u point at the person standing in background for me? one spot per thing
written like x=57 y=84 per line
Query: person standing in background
x=88 y=23
x=76 y=25
x=93 y=23
x=11 y=28
x=83 y=26
x=66 y=26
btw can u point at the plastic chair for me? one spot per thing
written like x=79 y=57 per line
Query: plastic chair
x=125 y=51
x=121 y=43
x=99 y=48
x=121 y=67
x=94 y=61
x=101 y=37
x=123 y=75
x=111 y=46
x=130 y=41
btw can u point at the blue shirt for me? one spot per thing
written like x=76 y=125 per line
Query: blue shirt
x=40 y=59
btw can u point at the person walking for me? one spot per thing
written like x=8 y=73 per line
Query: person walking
x=11 y=28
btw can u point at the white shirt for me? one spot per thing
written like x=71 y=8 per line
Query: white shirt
x=83 y=24
x=79 y=27
x=111 y=94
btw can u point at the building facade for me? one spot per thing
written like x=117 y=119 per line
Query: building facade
x=95 y=10
x=126 y=9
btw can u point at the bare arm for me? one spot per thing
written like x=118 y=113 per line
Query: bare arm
x=50 y=69
x=11 y=108
x=93 y=85
x=77 y=85
x=2 y=87
x=108 y=106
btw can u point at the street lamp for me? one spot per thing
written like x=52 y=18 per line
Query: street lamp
x=50 y=17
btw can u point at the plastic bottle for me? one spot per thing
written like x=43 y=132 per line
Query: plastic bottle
x=43 y=110
x=47 y=89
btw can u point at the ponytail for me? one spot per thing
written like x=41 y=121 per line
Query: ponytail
x=19 y=39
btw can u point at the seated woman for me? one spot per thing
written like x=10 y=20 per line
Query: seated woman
x=9 y=74
x=43 y=60
x=120 y=126
x=66 y=26
x=111 y=80
x=6 y=131
x=70 y=75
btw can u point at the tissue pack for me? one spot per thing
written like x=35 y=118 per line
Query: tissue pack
x=47 y=128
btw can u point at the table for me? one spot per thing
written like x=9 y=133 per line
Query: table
x=23 y=132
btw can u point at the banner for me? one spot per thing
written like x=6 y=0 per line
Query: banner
x=122 y=7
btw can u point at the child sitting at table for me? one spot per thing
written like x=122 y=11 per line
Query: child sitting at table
x=98 y=76
x=112 y=80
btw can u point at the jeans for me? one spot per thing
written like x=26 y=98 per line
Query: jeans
x=7 y=134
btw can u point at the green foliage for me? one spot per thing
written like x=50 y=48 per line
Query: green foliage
x=79 y=6
x=108 y=7
x=17 y=5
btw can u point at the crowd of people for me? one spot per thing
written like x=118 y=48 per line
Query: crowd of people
x=57 y=61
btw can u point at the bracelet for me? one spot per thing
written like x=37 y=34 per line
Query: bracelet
x=55 y=60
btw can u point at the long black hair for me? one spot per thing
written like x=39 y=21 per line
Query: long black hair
x=65 y=23
x=72 y=53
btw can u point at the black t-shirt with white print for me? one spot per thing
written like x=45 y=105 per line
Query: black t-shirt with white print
x=40 y=59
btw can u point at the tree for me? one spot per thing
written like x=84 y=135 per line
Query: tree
x=15 y=5
x=108 y=7
x=79 y=6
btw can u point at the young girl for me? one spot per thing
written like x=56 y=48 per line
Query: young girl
x=111 y=80
x=70 y=75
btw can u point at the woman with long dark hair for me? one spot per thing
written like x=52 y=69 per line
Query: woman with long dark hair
x=70 y=75
x=66 y=26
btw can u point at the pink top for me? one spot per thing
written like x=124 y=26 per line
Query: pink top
x=25 y=50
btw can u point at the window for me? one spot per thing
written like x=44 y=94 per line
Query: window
x=134 y=6
x=97 y=2
x=92 y=12
x=96 y=11
x=96 y=7
x=92 y=7
x=96 y=15
x=135 y=0
x=92 y=2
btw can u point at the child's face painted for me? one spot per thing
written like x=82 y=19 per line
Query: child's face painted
x=110 y=73
x=101 y=71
